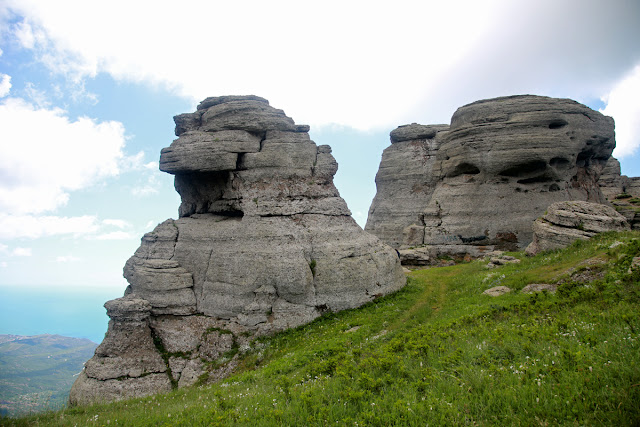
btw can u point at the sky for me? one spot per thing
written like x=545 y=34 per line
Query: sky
x=88 y=90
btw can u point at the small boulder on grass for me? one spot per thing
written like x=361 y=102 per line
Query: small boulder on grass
x=565 y=222
x=539 y=287
x=497 y=291
x=497 y=261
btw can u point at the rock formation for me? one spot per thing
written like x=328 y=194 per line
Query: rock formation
x=264 y=242
x=565 y=222
x=613 y=184
x=622 y=192
x=479 y=183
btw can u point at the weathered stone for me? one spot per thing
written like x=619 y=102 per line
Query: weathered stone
x=539 y=287
x=416 y=256
x=208 y=151
x=264 y=242
x=191 y=373
x=128 y=350
x=622 y=192
x=246 y=114
x=498 y=260
x=611 y=182
x=479 y=184
x=405 y=180
x=87 y=390
x=565 y=222
x=497 y=291
x=415 y=131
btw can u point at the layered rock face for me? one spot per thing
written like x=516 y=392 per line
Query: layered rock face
x=264 y=242
x=565 y=222
x=622 y=192
x=478 y=184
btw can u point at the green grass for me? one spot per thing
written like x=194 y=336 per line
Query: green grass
x=437 y=352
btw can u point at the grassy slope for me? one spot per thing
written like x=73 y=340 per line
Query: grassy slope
x=439 y=353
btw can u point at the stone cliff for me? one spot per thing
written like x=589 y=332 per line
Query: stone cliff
x=479 y=183
x=622 y=192
x=263 y=242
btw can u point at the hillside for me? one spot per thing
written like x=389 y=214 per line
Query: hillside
x=438 y=352
x=36 y=372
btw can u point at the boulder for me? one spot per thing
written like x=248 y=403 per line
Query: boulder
x=498 y=260
x=611 y=182
x=497 y=291
x=540 y=287
x=416 y=256
x=263 y=242
x=622 y=192
x=478 y=184
x=565 y=222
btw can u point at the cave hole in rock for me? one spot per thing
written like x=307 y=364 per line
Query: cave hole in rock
x=602 y=161
x=207 y=192
x=559 y=163
x=584 y=158
x=535 y=179
x=557 y=124
x=464 y=169
x=240 y=166
x=525 y=170
x=554 y=187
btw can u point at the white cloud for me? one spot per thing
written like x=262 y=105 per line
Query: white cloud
x=46 y=155
x=152 y=186
x=623 y=104
x=144 y=191
x=134 y=161
x=4 y=248
x=4 y=264
x=116 y=235
x=67 y=258
x=25 y=35
x=368 y=54
x=38 y=226
x=36 y=96
x=119 y=223
x=355 y=63
x=21 y=252
x=30 y=226
x=5 y=85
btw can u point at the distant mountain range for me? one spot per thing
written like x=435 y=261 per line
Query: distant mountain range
x=36 y=372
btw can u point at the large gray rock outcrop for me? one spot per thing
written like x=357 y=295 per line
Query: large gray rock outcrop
x=622 y=192
x=565 y=222
x=263 y=242
x=478 y=184
x=613 y=183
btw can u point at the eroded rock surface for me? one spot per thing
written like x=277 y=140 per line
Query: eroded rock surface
x=263 y=242
x=622 y=192
x=565 y=222
x=479 y=183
